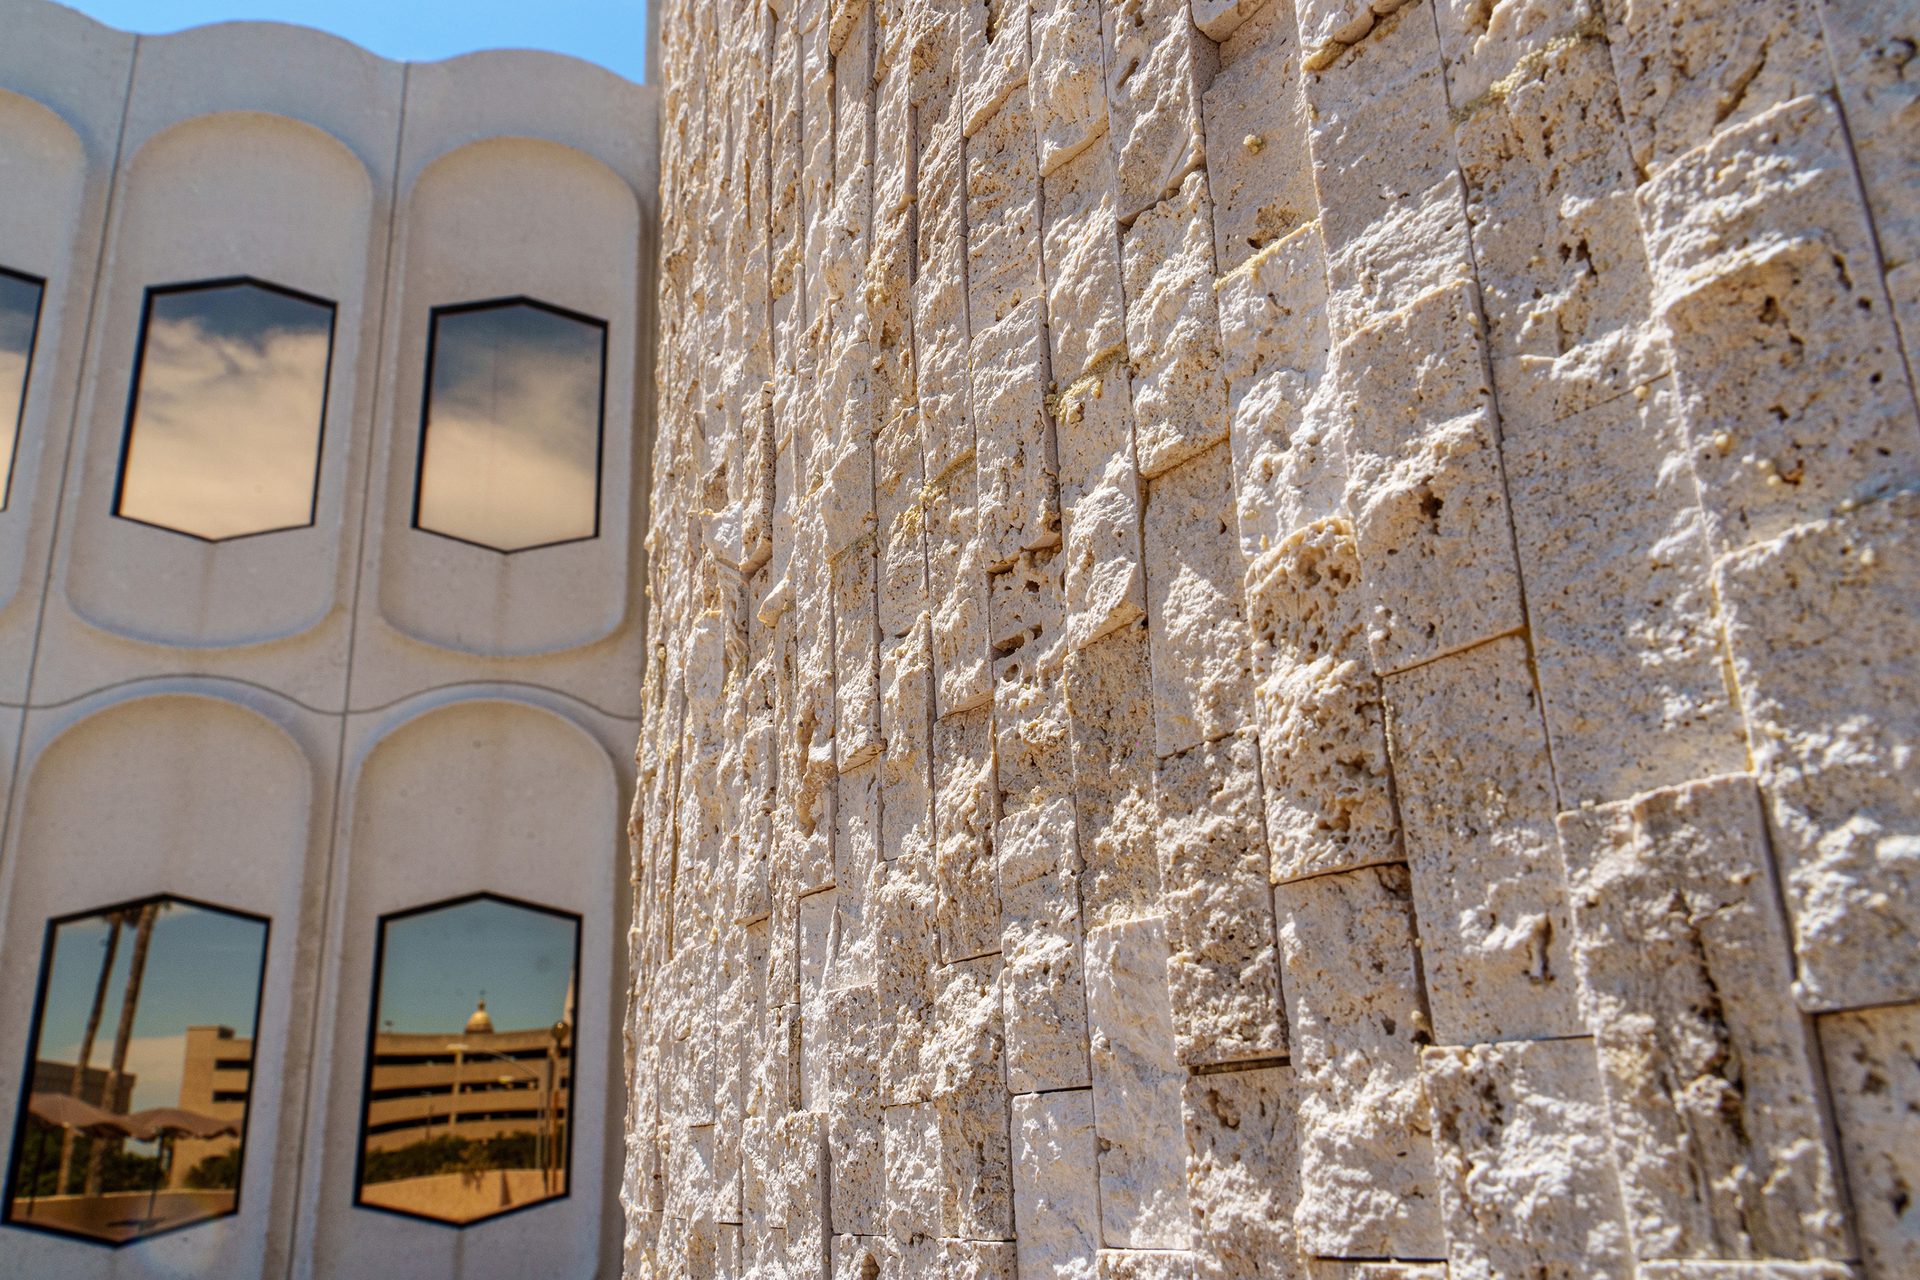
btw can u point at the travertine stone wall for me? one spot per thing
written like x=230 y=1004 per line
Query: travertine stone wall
x=1285 y=643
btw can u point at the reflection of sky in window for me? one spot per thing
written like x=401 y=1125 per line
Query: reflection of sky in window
x=203 y=969
x=225 y=436
x=436 y=965
x=513 y=428
x=19 y=316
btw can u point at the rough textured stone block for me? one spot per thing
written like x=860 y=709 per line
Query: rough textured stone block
x=1357 y=1019
x=1003 y=214
x=966 y=1054
x=1243 y=1174
x=1822 y=630
x=1526 y=1184
x=1100 y=501
x=1056 y=1193
x=1477 y=800
x=1110 y=703
x=1784 y=350
x=1258 y=166
x=1018 y=463
x=1710 y=1077
x=1329 y=792
x=1223 y=973
x=1201 y=682
x=1873 y=1068
x=1068 y=90
x=1086 y=309
x=1140 y=1264
x=1173 y=330
x=968 y=907
x=1158 y=65
x=1137 y=1080
x=1625 y=627
x=1424 y=483
x=1046 y=1000
x=1872 y=45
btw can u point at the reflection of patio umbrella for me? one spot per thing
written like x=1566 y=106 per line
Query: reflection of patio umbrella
x=68 y=1112
x=168 y=1123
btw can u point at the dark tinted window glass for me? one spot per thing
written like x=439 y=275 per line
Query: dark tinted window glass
x=135 y=1113
x=231 y=392
x=510 y=457
x=469 y=1102
x=19 y=325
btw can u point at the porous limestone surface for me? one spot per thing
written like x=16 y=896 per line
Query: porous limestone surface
x=1288 y=650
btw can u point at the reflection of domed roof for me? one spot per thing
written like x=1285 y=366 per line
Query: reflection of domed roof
x=480 y=1024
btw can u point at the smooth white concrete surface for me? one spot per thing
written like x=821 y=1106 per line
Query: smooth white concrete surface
x=174 y=713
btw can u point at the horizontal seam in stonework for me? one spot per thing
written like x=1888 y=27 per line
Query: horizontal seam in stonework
x=1040 y=1093
x=1228 y=1068
x=1344 y=871
x=1454 y=652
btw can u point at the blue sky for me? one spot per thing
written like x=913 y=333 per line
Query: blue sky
x=612 y=33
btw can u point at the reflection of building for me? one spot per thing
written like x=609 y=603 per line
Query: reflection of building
x=57 y=1077
x=215 y=1080
x=478 y=1084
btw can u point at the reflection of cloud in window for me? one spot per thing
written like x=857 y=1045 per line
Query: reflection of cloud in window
x=156 y=1063
x=225 y=437
x=513 y=431
x=438 y=963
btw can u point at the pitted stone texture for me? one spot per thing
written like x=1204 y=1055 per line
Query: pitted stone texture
x=1003 y=214
x=1046 y=1000
x=1329 y=1269
x=1243 y=1174
x=1258 y=167
x=1822 y=629
x=1710 y=1076
x=1873 y=1068
x=1526 y=1183
x=1872 y=43
x=1140 y=1264
x=1785 y=353
x=1202 y=687
x=1137 y=1080
x=1329 y=793
x=1357 y=1020
x=1424 y=483
x=1173 y=330
x=1289 y=426
x=1476 y=795
x=1158 y=65
x=1110 y=704
x=1056 y=1193
x=1220 y=19
x=967 y=1073
x=1100 y=500
x=1224 y=970
x=1086 y=309
x=1550 y=184
x=967 y=916
x=1018 y=464
x=1691 y=69
x=1069 y=90
x=1625 y=628
x=1749 y=1271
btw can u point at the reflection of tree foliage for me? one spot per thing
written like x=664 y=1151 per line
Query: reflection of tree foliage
x=448 y=1154
x=120 y=1169
x=216 y=1173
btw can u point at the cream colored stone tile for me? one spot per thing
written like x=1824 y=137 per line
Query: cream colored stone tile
x=1785 y=355
x=1157 y=67
x=1201 y=681
x=1056 y=1193
x=1356 y=1018
x=856 y=672
x=1173 y=331
x=1476 y=796
x=1873 y=1069
x=1086 y=310
x=1069 y=88
x=1110 y=703
x=967 y=907
x=1525 y=1182
x=1003 y=213
x=1259 y=169
x=1137 y=1079
x=1821 y=628
x=1223 y=972
x=1871 y=43
x=1046 y=999
x=1018 y=461
x=1243 y=1174
x=1714 y=1110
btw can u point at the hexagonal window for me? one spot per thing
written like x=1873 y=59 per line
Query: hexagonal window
x=19 y=327
x=134 y=1120
x=229 y=403
x=510 y=444
x=468 y=1105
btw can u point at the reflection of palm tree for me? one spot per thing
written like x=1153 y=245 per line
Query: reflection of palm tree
x=115 y=921
x=123 y=1037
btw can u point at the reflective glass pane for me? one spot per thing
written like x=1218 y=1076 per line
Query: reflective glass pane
x=19 y=323
x=135 y=1118
x=510 y=457
x=228 y=406
x=469 y=1102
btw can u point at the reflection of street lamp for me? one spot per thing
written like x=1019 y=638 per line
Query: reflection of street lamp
x=460 y=1049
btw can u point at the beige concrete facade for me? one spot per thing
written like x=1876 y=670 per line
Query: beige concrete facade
x=1285 y=642
x=339 y=721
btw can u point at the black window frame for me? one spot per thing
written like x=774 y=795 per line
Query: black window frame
x=139 y=372
x=26 y=381
x=42 y=980
x=426 y=417
x=363 y=1127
